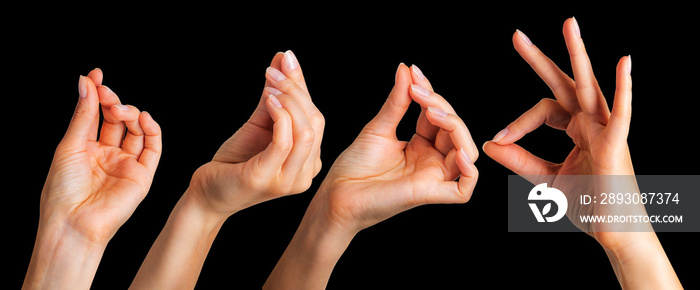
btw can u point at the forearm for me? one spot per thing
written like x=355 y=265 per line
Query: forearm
x=309 y=259
x=643 y=264
x=176 y=257
x=62 y=259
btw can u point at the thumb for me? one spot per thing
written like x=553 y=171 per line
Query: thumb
x=84 y=116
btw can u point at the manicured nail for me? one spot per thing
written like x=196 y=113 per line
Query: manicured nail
x=438 y=112
x=275 y=74
x=500 y=135
x=464 y=154
x=418 y=72
x=524 y=37
x=82 y=87
x=629 y=64
x=290 y=60
x=122 y=107
x=576 y=28
x=275 y=101
x=420 y=90
x=273 y=91
x=397 y=71
x=109 y=90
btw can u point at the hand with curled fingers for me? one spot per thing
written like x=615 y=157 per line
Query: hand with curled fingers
x=274 y=154
x=379 y=176
x=93 y=186
x=600 y=151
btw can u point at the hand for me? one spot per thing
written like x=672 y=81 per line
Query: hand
x=600 y=138
x=93 y=186
x=275 y=153
x=379 y=176
x=599 y=135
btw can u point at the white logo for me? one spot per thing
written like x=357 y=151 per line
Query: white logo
x=543 y=193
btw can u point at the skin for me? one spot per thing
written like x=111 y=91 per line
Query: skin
x=275 y=153
x=600 y=138
x=93 y=186
x=379 y=176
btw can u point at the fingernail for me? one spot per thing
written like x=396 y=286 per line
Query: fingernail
x=500 y=135
x=273 y=91
x=109 y=90
x=275 y=101
x=576 y=28
x=121 y=107
x=629 y=64
x=82 y=87
x=417 y=71
x=438 y=112
x=464 y=154
x=420 y=90
x=397 y=71
x=290 y=60
x=275 y=74
x=524 y=37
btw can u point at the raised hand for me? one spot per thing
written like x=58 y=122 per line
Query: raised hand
x=379 y=176
x=600 y=138
x=275 y=153
x=93 y=186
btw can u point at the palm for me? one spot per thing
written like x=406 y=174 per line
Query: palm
x=96 y=180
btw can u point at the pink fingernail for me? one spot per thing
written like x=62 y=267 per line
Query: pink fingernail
x=464 y=154
x=121 y=107
x=418 y=72
x=275 y=74
x=290 y=60
x=420 y=90
x=275 y=101
x=524 y=37
x=500 y=135
x=437 y=112
x=82 y=87
x=629 y=64
x=273 y=91
x=576 y=28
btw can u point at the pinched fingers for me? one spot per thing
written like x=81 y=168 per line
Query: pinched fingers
x=285 y=163
x=134 y=140
x=290 y=82
x=457 y=131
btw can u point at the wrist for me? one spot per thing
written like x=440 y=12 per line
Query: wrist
x=195 y=207
x=312 y=254
x=63 y=258
x=639 y=260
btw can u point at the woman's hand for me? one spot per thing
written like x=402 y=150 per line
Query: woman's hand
x=93 y=186
x=600 y=159
x=275 y=153
x=379 y=176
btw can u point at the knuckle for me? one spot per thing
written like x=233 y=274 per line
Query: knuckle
x=306 y=135
x=317 y=120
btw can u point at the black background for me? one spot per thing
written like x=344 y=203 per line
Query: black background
x=200 y=75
